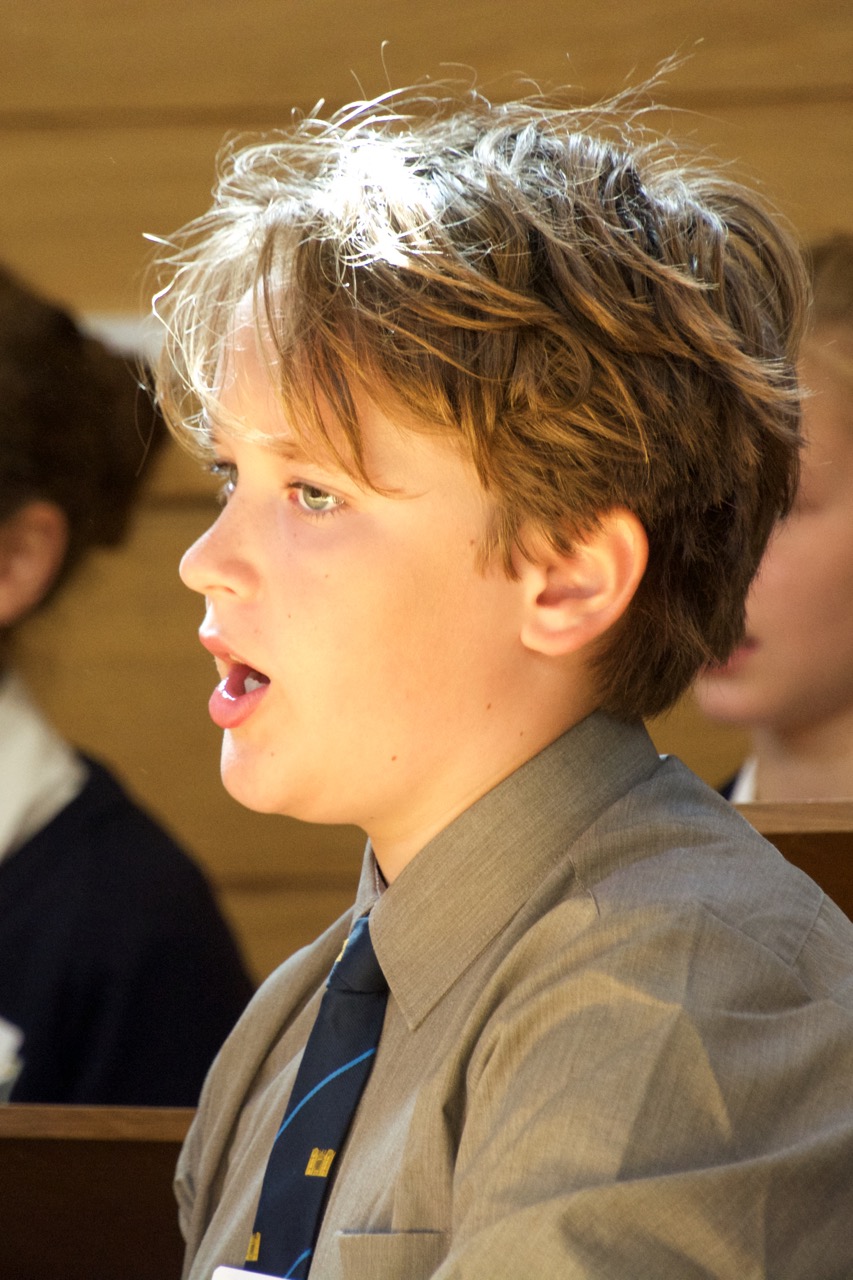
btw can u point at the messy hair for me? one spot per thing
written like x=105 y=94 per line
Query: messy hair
x=598 y=322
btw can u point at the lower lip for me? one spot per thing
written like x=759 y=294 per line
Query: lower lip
x=229 y=711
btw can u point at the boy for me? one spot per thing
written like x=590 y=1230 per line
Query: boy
x=504 y=407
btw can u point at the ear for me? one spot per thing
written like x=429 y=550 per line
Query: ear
x=573 y=598
x=33 y=543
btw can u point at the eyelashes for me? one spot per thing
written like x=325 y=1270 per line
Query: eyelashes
x=313 y=500
x=309 y=499
x=226 y=474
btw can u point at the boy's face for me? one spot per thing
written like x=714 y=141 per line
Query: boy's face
x=795 y=670
x=385 y=662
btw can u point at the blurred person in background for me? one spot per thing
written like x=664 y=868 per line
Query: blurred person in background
x=791 y=681
x=115 y=962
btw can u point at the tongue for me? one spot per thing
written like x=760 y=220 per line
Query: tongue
x=242 y=679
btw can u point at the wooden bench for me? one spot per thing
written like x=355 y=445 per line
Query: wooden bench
x=816 y=836
x=86 y=1192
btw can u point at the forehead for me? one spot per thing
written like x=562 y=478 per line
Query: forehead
x=400 y=455
x=246 y=398
x=248 y=402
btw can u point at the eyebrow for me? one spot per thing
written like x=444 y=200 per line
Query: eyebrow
x=287 y=447
x=291 y=448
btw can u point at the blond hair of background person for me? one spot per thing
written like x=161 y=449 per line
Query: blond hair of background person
x=791 y=680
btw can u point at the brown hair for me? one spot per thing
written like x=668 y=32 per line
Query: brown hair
x=75 y=424
x=599 y=323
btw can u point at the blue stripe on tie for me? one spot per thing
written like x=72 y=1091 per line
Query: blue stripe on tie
x=317 y=1087
x=294 y=1265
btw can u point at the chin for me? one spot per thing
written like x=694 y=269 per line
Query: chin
x=251 y=797
x=718 y=698
x=269 y=795
x=240 y=777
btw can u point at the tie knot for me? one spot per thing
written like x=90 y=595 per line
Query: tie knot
x=356 y=968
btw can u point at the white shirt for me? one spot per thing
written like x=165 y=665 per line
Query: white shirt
x=743 y=791
x=39 y=773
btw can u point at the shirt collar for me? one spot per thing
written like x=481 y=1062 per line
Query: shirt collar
x=39 y=773
x=492 y=858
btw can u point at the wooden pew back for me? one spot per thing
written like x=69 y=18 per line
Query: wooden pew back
x=816 y=836
x=86 y=1192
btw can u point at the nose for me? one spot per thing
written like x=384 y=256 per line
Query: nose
x=215 y=563
x=191 y=568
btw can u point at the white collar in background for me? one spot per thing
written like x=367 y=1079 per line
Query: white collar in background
x=39 y=773
x=743 y=791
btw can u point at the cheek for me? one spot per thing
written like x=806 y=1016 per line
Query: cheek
x=805 y=585
x=791 y=575
x=823 y=559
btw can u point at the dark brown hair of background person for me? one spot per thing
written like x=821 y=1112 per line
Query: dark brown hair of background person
x=76 y=427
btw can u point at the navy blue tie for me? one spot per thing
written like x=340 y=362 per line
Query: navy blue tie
x=331 y=1076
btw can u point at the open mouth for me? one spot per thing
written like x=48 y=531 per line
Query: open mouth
x=241 y=679
x=237 y=695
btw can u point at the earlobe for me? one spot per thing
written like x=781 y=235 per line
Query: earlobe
x=33 y=543
x=572 y=598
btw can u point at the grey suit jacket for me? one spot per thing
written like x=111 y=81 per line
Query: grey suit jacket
x=619 y=1043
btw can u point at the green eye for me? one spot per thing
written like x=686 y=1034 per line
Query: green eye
x=315 y=500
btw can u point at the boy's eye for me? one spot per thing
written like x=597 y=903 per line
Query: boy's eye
x=226 y=473
x=316 y=501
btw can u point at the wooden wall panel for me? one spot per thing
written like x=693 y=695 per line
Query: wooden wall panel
x=273 y=921
x=95 y=57
x=85 y=198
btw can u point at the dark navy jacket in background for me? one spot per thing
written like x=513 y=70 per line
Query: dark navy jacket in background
x=114 y=958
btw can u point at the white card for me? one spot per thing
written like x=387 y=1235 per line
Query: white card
x=237 y=1273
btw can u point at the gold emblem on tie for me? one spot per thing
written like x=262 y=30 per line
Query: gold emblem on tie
x=319 y=1163
x=254 y=1247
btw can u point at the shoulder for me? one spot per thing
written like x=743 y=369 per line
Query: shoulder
x=674 y=849
x=686 y=960
x=668 y=906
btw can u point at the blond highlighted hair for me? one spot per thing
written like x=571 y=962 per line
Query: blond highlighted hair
x=598 y=322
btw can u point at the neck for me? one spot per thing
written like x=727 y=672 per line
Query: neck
x=813 y=762
x=395 y=843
